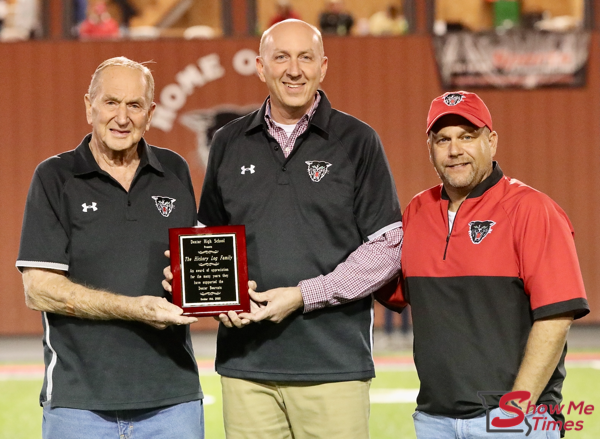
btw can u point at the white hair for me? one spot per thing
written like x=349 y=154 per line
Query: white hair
x=124 y=62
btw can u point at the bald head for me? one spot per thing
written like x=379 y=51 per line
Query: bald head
x=270 y=36
x=293 y=65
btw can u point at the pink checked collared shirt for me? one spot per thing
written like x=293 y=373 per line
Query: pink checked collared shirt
x=368 y=268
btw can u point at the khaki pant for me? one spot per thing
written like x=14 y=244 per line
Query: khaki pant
x=269 y=410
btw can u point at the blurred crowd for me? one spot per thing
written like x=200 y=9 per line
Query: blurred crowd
x=20 y=19
x=114 y=19
x=502 y=15
x=336 y=19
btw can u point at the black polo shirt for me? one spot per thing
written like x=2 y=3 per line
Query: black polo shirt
x=80 y=220
x=303 y=215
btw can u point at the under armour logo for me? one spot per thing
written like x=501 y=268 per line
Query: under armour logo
x=91 y=206
x=251 y=169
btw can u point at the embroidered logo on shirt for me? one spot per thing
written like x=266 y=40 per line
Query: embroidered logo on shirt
x=317 y=170
x=453 y=99
x=165 y=205
x=250 y=168
x=91 y=206
x=479 y=230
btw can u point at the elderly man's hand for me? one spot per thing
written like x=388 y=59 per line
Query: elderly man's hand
x=160 y=313
x=240 y=320
x=275 y=304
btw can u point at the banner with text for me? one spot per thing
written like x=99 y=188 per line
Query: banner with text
x=516 y=59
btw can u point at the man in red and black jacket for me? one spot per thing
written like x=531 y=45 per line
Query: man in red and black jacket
x=490 y=269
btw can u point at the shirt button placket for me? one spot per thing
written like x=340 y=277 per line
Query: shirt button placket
x=129 y=211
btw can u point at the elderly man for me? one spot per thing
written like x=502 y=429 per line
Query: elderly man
x=491 y=273
x=118 y=356
x=323 y=228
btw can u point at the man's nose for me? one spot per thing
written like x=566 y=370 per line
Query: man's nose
x=122 y=116
x=294 y=68
x=455 y=148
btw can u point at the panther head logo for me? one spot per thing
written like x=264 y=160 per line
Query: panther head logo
x=317 y=170
x=479 y=230
x=453 y=99
x=165 y=205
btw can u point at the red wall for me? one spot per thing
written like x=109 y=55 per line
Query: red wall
x=548 y=138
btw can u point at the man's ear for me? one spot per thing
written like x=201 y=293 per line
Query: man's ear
x=88 y=108
x=259 y=68
x=429 y=149
x=150 y=114
x=324 y=64
x=493 y=139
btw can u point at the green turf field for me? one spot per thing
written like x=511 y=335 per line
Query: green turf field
x=20 y=415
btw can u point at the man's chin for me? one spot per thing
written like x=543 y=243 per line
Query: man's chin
x=295 y=104
x=458 y=183
x=120 y=145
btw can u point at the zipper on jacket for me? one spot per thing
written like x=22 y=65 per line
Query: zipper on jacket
x=447 y=240
x=450 y=231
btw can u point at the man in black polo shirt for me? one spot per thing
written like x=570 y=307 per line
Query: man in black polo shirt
x=118 y=355
x=313 y=187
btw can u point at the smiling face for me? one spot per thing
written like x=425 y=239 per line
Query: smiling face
x=462 y=154
x=292 y=64
x=119 y=111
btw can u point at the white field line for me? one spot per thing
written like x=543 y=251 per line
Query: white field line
x=394 y=396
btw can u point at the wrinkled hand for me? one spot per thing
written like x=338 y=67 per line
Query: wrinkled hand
x=240 y=320
x=275 y=304
x=166 y=283
x=159 y=313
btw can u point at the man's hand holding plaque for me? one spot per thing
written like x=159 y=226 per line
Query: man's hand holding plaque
x=273 y=305
x=229 y=319
x=208 y=276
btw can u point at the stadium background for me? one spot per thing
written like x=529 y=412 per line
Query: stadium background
x=549 y=138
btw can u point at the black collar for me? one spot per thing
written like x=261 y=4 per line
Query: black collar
x=85 y=162
x=482 y=187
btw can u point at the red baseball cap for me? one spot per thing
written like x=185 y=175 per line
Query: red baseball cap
x=465 y=104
